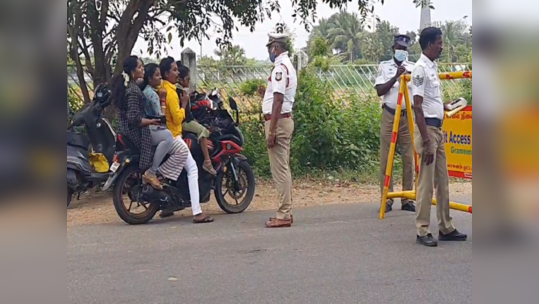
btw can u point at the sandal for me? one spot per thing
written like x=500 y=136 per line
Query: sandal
x=277 y=223
x=291 y=219
x=206 y=219
x=208 y=167
x=152 y=180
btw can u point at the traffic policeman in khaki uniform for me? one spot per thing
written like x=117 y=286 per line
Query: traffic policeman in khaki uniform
x=429 y=142
x=387 y=86
x=277 y=109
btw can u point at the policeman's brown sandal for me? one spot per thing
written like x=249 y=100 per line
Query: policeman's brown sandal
x=209 y=167
x=277 y=223
x=152 y=180
x=291 y=219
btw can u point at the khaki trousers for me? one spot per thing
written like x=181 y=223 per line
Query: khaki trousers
x=279 y=157
x=407 y=153
x=433 y=176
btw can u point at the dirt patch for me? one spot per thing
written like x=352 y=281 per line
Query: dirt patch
x=97 y=208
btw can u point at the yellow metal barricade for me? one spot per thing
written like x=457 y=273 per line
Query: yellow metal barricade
x=404 y=95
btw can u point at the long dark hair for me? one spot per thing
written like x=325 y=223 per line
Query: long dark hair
x=149 y=71
x=118 y=86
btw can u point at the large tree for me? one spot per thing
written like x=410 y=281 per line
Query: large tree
x=102 y=33
x=346 y=34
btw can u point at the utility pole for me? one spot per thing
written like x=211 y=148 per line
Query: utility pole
x=200 y=42
x=425 y=20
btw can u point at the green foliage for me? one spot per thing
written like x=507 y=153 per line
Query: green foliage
x=344 y=33
x=73 y=100
x=231 y=55
x=321 y=63
x=255 y=146
x=320 y=47
x=250 y=87
x=330 y=135
x=466 y=86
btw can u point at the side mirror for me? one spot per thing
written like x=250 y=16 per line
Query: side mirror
x=233 y=104
x=234 y=107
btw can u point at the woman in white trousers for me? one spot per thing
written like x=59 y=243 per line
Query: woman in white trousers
x=192 y=177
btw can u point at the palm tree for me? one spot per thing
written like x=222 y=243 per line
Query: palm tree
x=371 y=47
x=231 y=55
x=454 y=33
x=321 y=30
x=385 y=34
x=346 y=33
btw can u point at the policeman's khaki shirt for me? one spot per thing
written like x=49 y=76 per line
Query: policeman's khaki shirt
x=427 y=84
x=386 y=71
x=283 y=80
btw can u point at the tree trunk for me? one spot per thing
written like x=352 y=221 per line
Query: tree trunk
x=82 y=82
x=129 y=29
x=127 y=34
x=74 y=32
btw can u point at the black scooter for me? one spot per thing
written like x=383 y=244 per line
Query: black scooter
x=97 y=136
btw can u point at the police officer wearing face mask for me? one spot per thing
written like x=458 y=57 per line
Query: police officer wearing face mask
x=277 y=107
x=387 y=86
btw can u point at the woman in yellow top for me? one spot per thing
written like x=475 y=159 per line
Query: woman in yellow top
x=177 y=108
x=175 y=114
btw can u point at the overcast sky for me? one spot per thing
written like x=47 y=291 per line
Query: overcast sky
x=401 y=13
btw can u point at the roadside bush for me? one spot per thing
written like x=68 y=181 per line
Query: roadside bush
x=330 y=135
x=255 y=146
x=73 y=100
x=250 y=87
x=466 y=86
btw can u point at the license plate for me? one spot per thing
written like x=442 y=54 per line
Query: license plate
x=114 y=166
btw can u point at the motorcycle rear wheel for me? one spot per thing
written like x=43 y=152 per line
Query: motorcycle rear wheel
x=117 y=198
x=245 y=174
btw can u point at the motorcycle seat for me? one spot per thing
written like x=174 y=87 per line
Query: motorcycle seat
x=128 y=144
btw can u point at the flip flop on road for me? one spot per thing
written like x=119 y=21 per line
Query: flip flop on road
x=204 y=220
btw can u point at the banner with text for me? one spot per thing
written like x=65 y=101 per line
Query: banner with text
x=458 y=143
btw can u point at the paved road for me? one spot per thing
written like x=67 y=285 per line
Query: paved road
x=334 y=254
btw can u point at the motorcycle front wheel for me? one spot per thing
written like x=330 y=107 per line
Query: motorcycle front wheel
x=241 y=194
x=129 y=183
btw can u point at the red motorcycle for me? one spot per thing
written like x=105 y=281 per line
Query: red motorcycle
x=235 y=178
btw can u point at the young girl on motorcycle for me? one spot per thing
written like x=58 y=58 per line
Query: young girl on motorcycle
x=175 y=113
x=161 y=136
x=129 y=103
x=190 y=124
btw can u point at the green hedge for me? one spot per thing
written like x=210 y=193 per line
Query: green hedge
x=330 y=135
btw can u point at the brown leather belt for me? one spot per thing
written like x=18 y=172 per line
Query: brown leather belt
x=267 y=117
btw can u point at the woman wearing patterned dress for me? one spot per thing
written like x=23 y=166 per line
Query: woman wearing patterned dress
x=129 y=101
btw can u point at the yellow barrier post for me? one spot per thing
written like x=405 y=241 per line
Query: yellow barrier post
x=404 y=94
x=394 y=136
x=411 y=125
